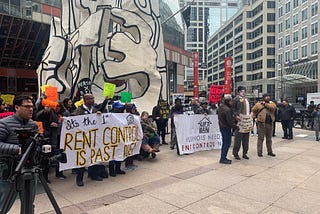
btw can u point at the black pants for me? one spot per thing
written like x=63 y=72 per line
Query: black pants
x=161 y=128
x=287 y=128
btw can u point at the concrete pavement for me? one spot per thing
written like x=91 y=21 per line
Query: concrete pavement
x=197 y=183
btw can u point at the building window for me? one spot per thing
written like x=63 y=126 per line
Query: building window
x=280 y=27
x=295 y=54
x=271 y=17
x=295 y=19
x=271 y=4
x=287 y=40
x=303 y=1
x=314 y=9
x=287 y=56
x=288 y=25
x=280 y=11
x=304 y=14
x=304 y=33
x=287 y=7
x=295 y=36
x=280 y=43
x=314 y=29
x=295 y=3
x=304 y=51
x=314 y=48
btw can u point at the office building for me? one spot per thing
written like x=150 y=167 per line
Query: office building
x=249 y=38
x=205 y=18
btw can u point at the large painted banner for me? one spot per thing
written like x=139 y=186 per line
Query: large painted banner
x=197 y=133
x=96 y=138
x=114 y=41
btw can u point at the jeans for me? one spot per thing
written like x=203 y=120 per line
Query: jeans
x=226 y=142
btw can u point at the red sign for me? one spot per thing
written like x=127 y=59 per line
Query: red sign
x=215 y=94
x=227 y=75
x=195 y=74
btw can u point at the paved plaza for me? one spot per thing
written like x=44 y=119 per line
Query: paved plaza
x=197 y=183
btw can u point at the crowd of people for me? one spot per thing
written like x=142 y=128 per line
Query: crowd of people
x=231 y=111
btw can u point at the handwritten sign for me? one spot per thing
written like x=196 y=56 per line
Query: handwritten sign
x=43 y=88
x=215 y=93
x=40 y=126
x=52 y=93
x=95 y=138
x=109 y=89
x=7 y=98
x=245 y=124
x=126 y=97
x=49 y=103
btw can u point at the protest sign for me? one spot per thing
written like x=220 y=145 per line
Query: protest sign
x=126 y=97
x=96 y=138
x=52 y=93
x=215 y=93
x=7 y=98
x=164 y=109
x=79 y=103
x=40 y=126
x=197 y=133
x=43 y=88
x=49 y=103
x=245 y=124
x=109 y=89
x=5 y=114
x=178 y=96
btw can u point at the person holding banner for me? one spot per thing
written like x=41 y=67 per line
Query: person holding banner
x=226 y=123
x=241 y=110
x=87 y=108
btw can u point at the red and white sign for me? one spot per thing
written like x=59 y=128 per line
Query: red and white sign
x=215 y=94
x=227 y=75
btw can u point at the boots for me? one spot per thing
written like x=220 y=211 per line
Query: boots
x=118 y=168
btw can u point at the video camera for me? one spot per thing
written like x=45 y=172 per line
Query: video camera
x=42 y=149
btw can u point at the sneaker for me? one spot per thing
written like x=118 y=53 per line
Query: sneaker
x=237 y=157
x=164 y=143
x=153 y=155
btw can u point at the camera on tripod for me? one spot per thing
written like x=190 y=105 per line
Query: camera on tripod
x=43 y=150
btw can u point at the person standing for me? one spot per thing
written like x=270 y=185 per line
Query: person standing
x=316 y=120
x=203 y=109
x=264 y=112
x=226 y=123
x=241 y=106
x=287 y=115
x=10 y=146
x=87 y=108
x=160 y=114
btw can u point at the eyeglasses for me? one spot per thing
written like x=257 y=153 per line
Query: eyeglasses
x=27 y=106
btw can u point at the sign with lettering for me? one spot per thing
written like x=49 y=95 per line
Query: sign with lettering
x=95 y=138
x=109 y=89
x=197 y=133
x=215 y=94
x=245 y=124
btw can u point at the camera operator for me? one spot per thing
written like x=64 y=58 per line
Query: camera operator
x=9 y=143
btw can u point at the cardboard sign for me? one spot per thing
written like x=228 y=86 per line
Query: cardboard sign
x=43 y=88
x=7 y=98
x=49 y=103
x=215 y=93
x=126 y=97
x=79 y=103
x=52 y=93
x=109 y=89
x=40 y=125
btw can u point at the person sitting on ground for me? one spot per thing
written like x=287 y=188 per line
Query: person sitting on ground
x=150 y=140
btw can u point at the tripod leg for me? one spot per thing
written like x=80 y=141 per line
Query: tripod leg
x=27 y=188
x=8 y=197
x=49 y=193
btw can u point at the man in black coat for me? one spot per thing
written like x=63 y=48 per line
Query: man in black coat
x=287 y=114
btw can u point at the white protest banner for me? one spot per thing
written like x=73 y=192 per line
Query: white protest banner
x=245 y=124
x=197 y=133
x=95 y=138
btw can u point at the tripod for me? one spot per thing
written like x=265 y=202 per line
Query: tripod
x=23 y=181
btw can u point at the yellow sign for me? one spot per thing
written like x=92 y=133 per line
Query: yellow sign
x=79 y=103
x=109 y=89
x=7 y=98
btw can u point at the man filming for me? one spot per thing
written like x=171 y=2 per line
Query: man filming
x=9 y=143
